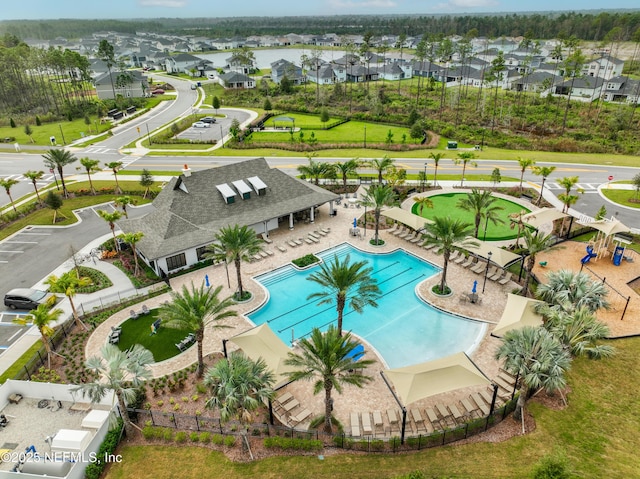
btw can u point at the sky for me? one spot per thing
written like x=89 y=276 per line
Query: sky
x=128 y=9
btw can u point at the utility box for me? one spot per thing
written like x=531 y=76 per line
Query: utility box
x=452 y=145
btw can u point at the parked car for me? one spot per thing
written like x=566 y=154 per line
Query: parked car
x=208 y=119
x=26 y=298
x=200 y=124
x=158 y=91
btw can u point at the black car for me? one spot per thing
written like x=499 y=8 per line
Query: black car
x=26 y=298
x=208 y=119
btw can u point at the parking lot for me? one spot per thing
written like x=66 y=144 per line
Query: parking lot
x=10 y=332
x=217 y=130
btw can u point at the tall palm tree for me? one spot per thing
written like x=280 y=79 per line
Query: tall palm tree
x=448 y=235
x=537 y=357
x=239 y=386
x=377 y=197
x=42 y=318
x=34 y=176
x=346 y=168
x=534 y=244
x=90 y=166
x=466 y=157
x=111 y=218
x=569 y=290
x=524 y=164
x=326 y=359
x=381 y=165
x=195 y=310
x=543 y=171
x=315 y=169
x=567 y=202
x=568 y=182
x=67 y=284
x=57 y=159
x=123 y=202
x=482 y=205
x=7 y=184
x=115 y=167
x=579 y=331
x=235 y=244
x=436 y=159
x=423 y=202
x=340 y=278
x=122 y=372
x=516 y=222
x=133 y=239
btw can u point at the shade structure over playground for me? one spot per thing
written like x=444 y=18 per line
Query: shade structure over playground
x=608 y=227
x=262 y=342
x=405 y=217
x=518 y=313
x=543 y=216
x=419 y=381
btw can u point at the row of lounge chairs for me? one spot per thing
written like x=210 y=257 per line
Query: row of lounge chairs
x=114 y=335
x=186 y=342
x=313 y=237
x=289 y=407
x=133 y=314
x=495 y=273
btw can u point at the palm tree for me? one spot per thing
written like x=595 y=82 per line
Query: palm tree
x=340 y=278
x=423 y=202
x=436 y=159
x=315 y=169
x=122 y=372
x=239 y=386
x=568 y=182
x=543 y=171
x=346 y=168
x=67 y=284
x=115 y=166
x=42 y=318
x=567 y=202
x=534 y=244
x=57 y=159
x=448 y=234
x=111 y=218
x=537 y=358
x=90 y=166
x=516 y=222
x=466 y=157
x=524 y=164
x=196 y=309
x=377 y=197
x=133 y=239
x=569 y=290
x=326 y=359
x=579 y=331
x=235 y=244
x=34 y=176
x=122 y=202
x=481 y=204
x=381 y=165
x=7 y=184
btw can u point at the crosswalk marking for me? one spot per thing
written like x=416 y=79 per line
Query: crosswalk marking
x=98 y=149
x=585 y=186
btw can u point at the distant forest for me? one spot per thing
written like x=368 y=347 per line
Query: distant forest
x=589 y=25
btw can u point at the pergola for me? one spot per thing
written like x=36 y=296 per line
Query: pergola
x=284 y=119
x=430 y=378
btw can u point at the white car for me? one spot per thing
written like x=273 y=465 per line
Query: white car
x=200 y=124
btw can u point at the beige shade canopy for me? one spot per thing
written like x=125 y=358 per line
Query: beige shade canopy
x=608 y=227
x=405 y=217
x=262 y=342
x=419 y=381
x=518 y=313
x=543 y=216
x=499 y=256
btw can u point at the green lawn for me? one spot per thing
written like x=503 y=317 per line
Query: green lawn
x=448 y=202
x=162 y=344
x=597 y=432
x=621 y=197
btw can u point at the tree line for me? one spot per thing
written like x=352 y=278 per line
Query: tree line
x=583 y=25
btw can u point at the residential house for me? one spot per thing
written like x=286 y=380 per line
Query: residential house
x=536 y=82
x=622 y=90
x=240 y=63
x=324 y=75
x=128 y=84
x=194 y=206
x=584 y=89
x=603 y=67
x=180 y=63
x=236 y=81
x=282 y=68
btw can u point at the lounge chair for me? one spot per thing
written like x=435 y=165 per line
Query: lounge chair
x=308 y=240
x=283 y=398
x=454 y=256
x=481 y=404
x=429 y=246
x=400 y=231
x=314 y=239
x=460 y=259
x=497 y=275
x=326 y=230
x=470 y=409
x=288 y=406
x=392 y=415
x=410 y=237
x=301 y=416
x=263 y=254
x=366 y=423
x=417 y=416
x=431 y=414
x=265 y=238
x=314 y=235
x=133 y=314
x=281 y=249
x=393 y=228
x=257 y=257
x=457 y=415
x=269 y=252
x=506 y=279
x=417 y=239
x=377 y=419
x=355 y=424
x=292 y=244
x=298 y=241
x=405 y=234
x=470 y=260
x=480 y=267
x=493 y=270
x=145 y=310
x=319 y=233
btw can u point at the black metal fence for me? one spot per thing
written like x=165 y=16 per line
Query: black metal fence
x=369 y=444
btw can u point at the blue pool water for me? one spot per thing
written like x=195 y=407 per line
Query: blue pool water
x=403 y=329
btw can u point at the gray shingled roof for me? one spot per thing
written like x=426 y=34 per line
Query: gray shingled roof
x=181 y=220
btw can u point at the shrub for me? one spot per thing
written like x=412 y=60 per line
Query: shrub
x=167 y=434
x=181 y=437
x=205 y=437
x=305 y=261
x=94 y=470
x=295 y=444
x=194 y=436
x=149 y=432
x=551 y=467
x=217 y=439
x=229 y=441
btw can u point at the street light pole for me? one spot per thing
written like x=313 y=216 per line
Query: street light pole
x=221 y=136
x=424 y=178
x=486 y=270
x=148 y=134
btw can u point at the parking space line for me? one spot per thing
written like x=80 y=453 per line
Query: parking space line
x=20 y=242
x=17 y=333
x=1 y=251
x=3 y=262
x=36 y=234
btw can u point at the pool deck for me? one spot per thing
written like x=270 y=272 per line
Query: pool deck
x=376 y=395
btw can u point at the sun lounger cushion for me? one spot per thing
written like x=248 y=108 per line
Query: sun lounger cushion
x=506 y=279
x=431 y=414
x=301 y=416
x=366 y=423
x=355 y=424
x=377 y=418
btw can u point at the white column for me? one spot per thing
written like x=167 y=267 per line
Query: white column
x=313 y=208
x=331 y=208
x=290 y=221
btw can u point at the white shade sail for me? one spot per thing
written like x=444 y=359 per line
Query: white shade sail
x=542 y=216
x=499 y=256
x=518 y=313
x=405 y=217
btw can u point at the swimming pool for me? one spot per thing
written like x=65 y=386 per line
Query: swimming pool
x=403 y=329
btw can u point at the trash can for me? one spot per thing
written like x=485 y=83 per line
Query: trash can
x=452 y=145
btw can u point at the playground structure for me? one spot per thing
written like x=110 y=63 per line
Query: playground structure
x=590 y=254
x=607 y=242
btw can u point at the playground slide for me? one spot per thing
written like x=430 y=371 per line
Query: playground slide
x=590 y=254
